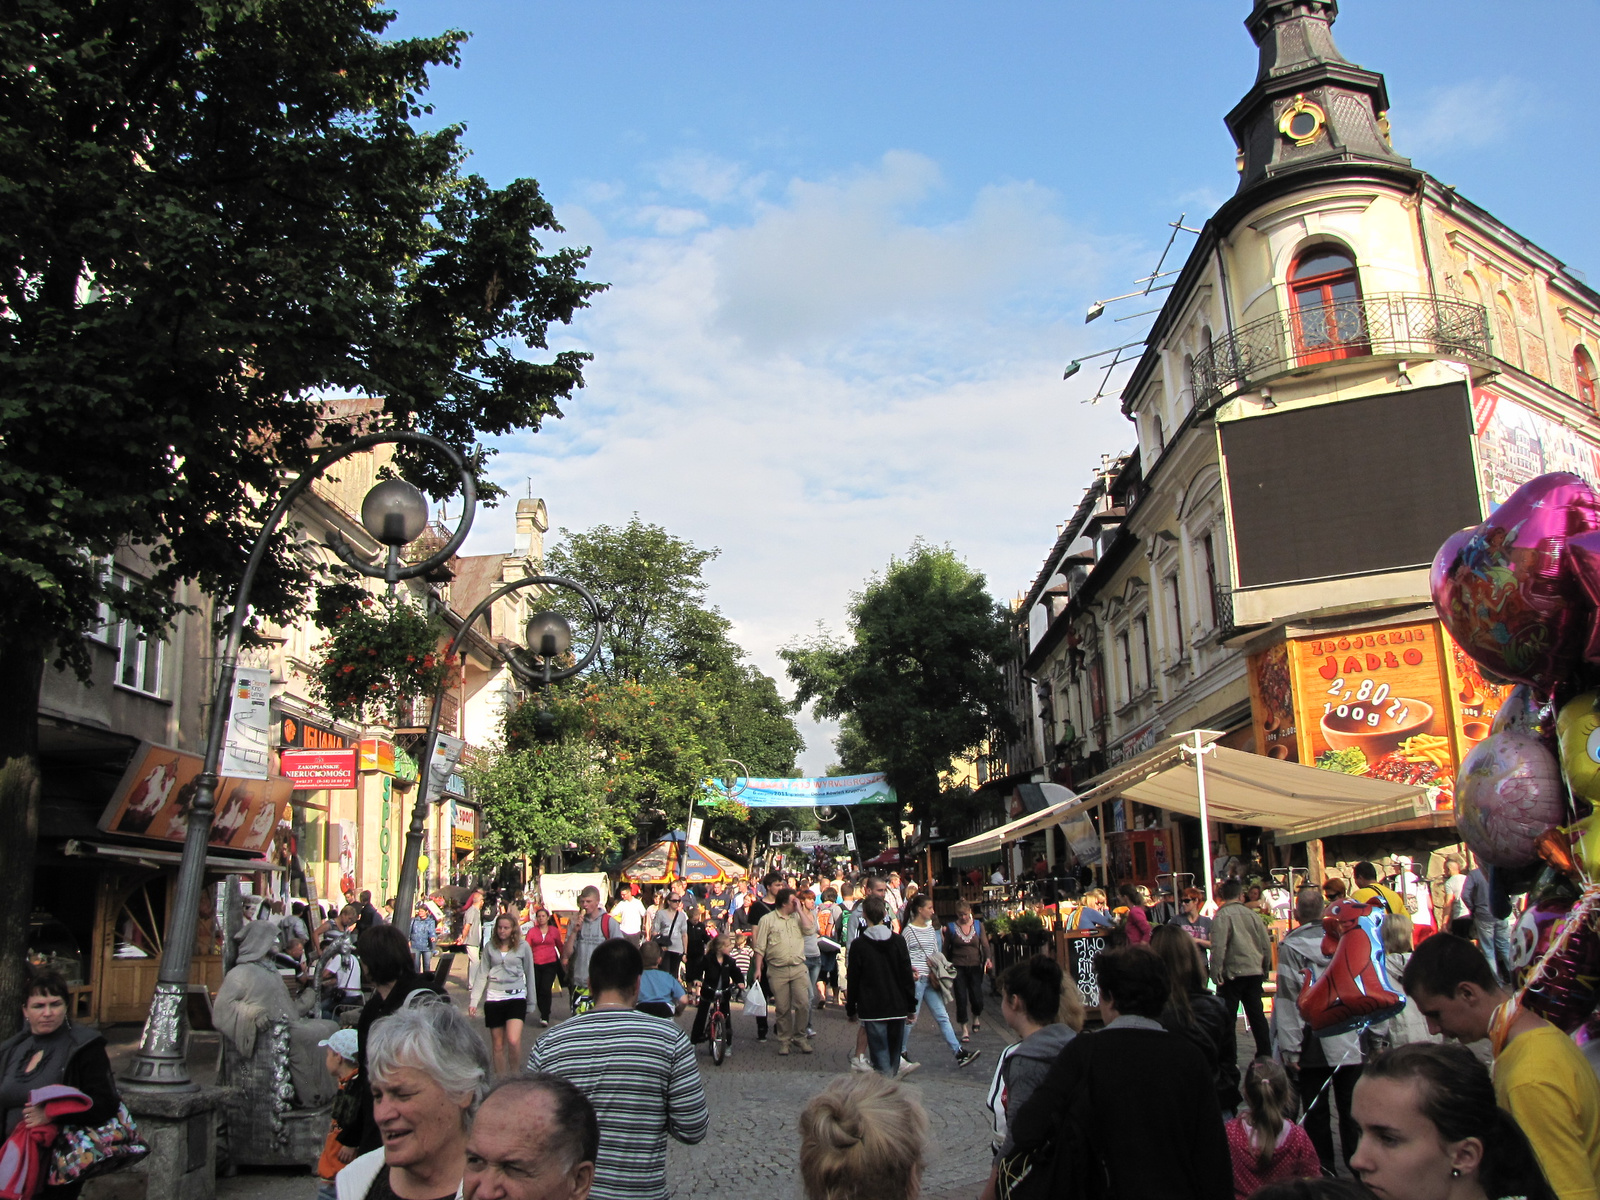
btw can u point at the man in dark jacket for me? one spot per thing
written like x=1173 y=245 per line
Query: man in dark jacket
x=882 y=993
x=1098 y=1104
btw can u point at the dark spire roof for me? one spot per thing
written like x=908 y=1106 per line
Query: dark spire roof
x=1310 y=106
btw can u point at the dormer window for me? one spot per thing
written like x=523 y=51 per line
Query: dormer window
x=1325 y=297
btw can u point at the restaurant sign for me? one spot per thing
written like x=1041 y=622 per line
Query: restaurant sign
x=303 y=735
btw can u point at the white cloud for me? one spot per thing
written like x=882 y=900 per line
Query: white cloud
x=814 y=388
x=1466 y=116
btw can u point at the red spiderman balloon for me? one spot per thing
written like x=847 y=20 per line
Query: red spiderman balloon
x=1354 y=990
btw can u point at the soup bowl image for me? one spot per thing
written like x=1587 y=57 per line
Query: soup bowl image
x=1356 y=729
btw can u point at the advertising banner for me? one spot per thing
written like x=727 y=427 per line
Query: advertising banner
x=446 y=758
x=560 y=892
x=1397 y=702
x=345 y=831
x=156 y=792
x=315 y=770
x=377 y=754
x=809 y=793
x=1516 y=444
x=245 y=752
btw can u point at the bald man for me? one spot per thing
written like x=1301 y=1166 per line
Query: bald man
x=534 y=1138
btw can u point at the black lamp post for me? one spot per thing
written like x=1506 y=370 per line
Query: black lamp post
x=549 y=637
x=394 y=513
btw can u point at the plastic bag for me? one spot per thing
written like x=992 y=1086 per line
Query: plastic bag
x=755 y=1001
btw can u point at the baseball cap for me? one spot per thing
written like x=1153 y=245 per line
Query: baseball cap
x=342 y=1042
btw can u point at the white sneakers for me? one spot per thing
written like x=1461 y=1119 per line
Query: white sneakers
x=907 y=1066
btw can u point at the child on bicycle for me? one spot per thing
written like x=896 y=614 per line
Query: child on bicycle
x=722 y=974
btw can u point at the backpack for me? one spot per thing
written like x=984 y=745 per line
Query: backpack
x=825 y=922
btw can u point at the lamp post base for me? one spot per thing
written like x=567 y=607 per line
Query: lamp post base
x=162 y=1061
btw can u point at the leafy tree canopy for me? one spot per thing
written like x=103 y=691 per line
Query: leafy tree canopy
x=541 y=799
x=917 y=680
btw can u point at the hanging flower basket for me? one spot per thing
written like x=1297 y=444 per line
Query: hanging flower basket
x=380 y=654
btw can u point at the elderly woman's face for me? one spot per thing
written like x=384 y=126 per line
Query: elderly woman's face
x=418 y=1119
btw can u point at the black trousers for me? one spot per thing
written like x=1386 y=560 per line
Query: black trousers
x=1246 y=990
x=544 y=981
x=969 y=989
x=1318 y=1125
x=671 y=960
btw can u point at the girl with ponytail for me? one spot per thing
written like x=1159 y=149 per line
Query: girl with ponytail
x=1431 y=1130
x=1266 y=1144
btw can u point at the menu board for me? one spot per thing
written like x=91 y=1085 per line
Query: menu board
x=1083 y=954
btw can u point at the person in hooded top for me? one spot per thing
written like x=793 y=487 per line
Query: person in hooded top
x=1044 y=1010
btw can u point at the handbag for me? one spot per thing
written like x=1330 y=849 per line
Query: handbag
x=84 y=1151
x=664 y=940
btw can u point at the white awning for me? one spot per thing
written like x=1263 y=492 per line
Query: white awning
x=1296 y=802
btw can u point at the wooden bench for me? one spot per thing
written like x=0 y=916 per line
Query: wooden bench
x=80 y=1000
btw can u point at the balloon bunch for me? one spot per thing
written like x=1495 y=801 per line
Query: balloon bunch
x=1520 y=593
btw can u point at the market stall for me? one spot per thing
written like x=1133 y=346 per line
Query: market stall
x=676 y=858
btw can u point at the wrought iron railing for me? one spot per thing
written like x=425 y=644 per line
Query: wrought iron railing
x=1390 y=323
x=1222 y=607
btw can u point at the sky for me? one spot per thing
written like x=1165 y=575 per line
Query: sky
x=850 y=246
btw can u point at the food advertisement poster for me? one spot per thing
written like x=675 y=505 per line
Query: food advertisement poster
x=1401 y=703
x=1272 y=704
x=156 y=792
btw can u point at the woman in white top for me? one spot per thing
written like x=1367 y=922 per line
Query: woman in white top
x=922 y=939
x=500 y=985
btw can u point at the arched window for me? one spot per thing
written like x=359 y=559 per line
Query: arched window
x=1326 y=297
x=1505 y=331
x=1583 y=370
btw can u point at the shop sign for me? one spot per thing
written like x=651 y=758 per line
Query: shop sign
x=1137 y=744
x=303 y=735
x=377 y=754
x=316 y=770
x=455 y=785
x=463 y=826
x=1399 y=702
x=245 y=752
x=156 y=792
x=805 y=839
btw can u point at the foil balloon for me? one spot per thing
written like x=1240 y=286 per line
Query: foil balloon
x=1578 y=736
x=1354 y=989
x=1531 y=937
x=1505 y=589
x=1522 y=712
x=1585 y=838
x=1565 y=993
x=1508 y=792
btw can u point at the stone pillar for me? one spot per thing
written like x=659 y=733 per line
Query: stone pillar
x=181 y=1129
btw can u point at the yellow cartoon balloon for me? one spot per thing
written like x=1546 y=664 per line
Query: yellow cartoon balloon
x=1585 y=835
x=1578 y=735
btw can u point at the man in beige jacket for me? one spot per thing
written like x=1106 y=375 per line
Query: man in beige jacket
x=780 y=948
x=1241 y=956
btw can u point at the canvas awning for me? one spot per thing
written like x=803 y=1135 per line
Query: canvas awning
x=1296 y=802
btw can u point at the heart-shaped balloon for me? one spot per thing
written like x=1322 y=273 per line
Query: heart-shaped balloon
x=1506 y=590
x=1508 y=792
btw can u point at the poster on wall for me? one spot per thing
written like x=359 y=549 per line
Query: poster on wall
x=1272 y=704
x=156 y=793
x=345 y=831
x=1516 y=444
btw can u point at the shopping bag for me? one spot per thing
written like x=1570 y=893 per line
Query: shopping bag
x=755 y=1001
x=83 y=1152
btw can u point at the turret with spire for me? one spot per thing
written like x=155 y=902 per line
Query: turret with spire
x=1310 y=106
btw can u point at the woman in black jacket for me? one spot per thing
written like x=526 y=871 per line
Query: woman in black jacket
x=882 y=993
x=52 y=1050
x=1197 y=1014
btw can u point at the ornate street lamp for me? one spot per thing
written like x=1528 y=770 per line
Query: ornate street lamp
x=394 y=513
x=549 y=636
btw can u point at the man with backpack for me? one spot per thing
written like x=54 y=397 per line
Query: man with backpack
x=588 y=930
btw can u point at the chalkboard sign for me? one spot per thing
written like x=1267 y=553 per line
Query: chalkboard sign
x=1083 y=951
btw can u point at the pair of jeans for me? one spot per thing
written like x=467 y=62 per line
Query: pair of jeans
x=969 y=990
x=929 y=996
x=1317 y=1105
x=1246 y=990
x=1494 y=939
x=424 y=960
x=884 y=1041
x=788 y=1004
x=544 y=982
x=814 y=973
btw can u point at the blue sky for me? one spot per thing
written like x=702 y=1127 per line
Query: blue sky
x=851 y=245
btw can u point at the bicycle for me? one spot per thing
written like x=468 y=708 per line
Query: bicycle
x=718 y=1033
x=579 y=1001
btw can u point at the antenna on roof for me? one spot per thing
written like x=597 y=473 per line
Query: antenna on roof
x=1099 y=307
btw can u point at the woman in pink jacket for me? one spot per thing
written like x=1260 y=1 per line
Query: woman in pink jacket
x=545 y=939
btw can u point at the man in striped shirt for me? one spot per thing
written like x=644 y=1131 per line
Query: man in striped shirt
x=639 y=1073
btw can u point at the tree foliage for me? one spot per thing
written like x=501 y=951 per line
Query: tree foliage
x=917 y=680
x=218 y=212
x=541 y=799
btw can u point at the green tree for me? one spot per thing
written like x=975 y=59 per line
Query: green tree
x=651 y=585
x=541 y=799
x=917 y=681
x=217 y=211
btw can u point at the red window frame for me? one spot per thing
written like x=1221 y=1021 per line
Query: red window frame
x=1316 y=293
x=1583 y=371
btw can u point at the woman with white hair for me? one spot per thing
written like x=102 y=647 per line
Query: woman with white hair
x=429 y=1071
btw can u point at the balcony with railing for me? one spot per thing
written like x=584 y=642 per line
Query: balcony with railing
x=1393 y=325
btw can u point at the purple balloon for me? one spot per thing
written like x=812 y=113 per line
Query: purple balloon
x=1508 y=590
x=1508 y=792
